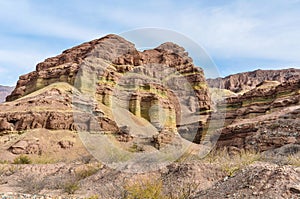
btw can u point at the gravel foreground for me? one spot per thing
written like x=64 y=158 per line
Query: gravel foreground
x=31 y=196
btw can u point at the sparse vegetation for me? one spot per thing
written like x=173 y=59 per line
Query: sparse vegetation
x=232 y=163
x=71 y=186
x=22 y=159
x=32 y=184
x=294 y=160
x=155 y=189
x=136 y=148
x=4 y=162
x=274 y=126
x=89 y=170
x=93 y=197
x=43 y=160
x=145 y=189
x=12 y=169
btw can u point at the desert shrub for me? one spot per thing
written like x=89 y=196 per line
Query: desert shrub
x=87 y=171
x=4 y=161
x=93 y=197
x=71 y=186
x=232 y=163
x=32 y=184
x=43 y=159
x=136 y=148
x=12 y=169
x=294 y=160
x=144 y=189
x=185 y=191
x=155 y=189
x=22 y=159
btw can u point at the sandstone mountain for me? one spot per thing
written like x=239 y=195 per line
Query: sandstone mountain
x=264 y=118
x=248 y=80
x=4 y=92
x=141 y=105
x=264 y=115
x=107 y=86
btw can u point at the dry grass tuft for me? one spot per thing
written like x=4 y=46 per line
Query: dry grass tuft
x=232 y=163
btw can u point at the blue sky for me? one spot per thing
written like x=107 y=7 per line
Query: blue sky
x=238 y=35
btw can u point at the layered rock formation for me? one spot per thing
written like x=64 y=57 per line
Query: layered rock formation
x=4 y=92
x=141 y=100
x=264 y=118
x=248 y=80
x=158 y=87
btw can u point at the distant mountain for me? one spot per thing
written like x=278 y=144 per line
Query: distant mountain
x=5 y=91
x=249 y=80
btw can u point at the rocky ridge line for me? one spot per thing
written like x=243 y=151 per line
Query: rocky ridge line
x=249 y=80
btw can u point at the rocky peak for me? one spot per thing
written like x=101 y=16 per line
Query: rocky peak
x=64 y=67
x=168 y=54
x=171 y=48
x=109 y=48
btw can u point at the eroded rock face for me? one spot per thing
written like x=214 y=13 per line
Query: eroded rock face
x=50 y=110
x=114 y=49
x=262 y=119
x=249 y=80
x=63 y=68
x=148 y=83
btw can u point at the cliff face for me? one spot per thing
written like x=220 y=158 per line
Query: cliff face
x=261 y=109
x=159 y=87
x=4 y=92
x=118 y=52
x=264 y=118
x=248 y=80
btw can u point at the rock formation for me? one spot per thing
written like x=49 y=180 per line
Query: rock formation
x=264 y=118
x=160 y=86
x=248 y=80
x=143 y=102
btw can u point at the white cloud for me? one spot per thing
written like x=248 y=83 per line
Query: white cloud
x=245 y=30
x=22 y=16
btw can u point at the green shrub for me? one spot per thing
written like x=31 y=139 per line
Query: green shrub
x=145 y=189
x=86 y=172
x=22 y=159
x=232 y=163
x=71 y=187
x=93 y=197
